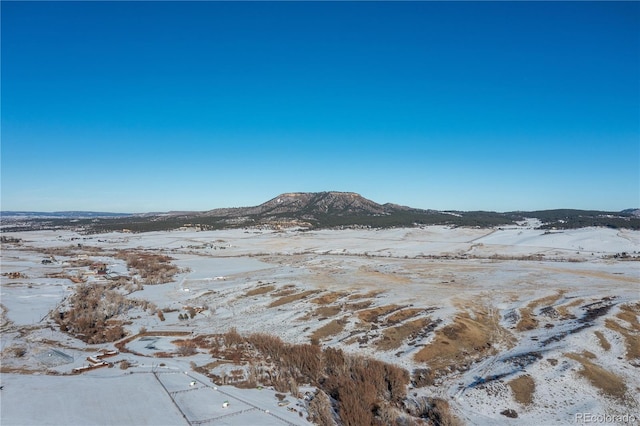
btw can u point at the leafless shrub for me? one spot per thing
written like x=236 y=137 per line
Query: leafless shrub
x=422 y=377
x=353 y=390
x=185 y=347
x=152 y=268
x=320 y=411
x=232 y=337
x=19 y=352
x=92 y=313
x=435 y=411
x=280 y=384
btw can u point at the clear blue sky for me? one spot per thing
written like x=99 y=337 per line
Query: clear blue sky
x=157 y=106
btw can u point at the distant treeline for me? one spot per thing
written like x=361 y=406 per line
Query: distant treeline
x=551 y=219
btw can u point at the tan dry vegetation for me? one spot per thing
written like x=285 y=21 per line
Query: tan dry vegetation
x=354 y=338
x=284 y=291
x=629 y=313
x=330 y=329
x=523 y=389
x=327 y=311
x=372 y=315
x=370 y=295
x=322 y=312
x=92 y=314
x=433 y=411
x=563 y=310
x=604 y=343
x=393 y=337
x=527 y=318
x=320 y=412
x=466 y=339
x=358 y=389
x=328 y=298
x=153 y=268
x=403 y=315
x=609 y=383
x=260 y=290
x=292 y=298
x=631 y=339
x=356 y=306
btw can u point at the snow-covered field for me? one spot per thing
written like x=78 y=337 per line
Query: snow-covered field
x=544 y=324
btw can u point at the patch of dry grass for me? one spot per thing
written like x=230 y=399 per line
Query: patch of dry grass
x=372 y=315
x=330 y=329
x=292 y=298
x=328 y=298
x=629 y=313
x=631 y=339
x=403 y=315
x=467 y=338
x=369 y=295
x=393 y=337
x=327 y=311
x=563 y=310
x=284 y=290
x=260 y=290
x=527 y=318
x=609 y=383
x=604 y=343
x=322 y=312
x=523 y=388
x=357 y=305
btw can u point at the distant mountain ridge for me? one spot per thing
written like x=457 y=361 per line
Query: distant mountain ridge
x=632 y=212
x=314 y=203
x=62 y=214
x=328 y=209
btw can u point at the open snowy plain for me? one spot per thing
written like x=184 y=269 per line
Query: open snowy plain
x=510 y=325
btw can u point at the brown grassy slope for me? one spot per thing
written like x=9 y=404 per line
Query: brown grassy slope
x=328 y=298
x=403 y=315
x=631 y=339
x=393 y=337
x=260 y=290
x=528 y=321
x=468 y=338
x=330 y=329
x=292 y=298
x=523 y=389
x=609 y=383
x=604 y=343
x=372 y=315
